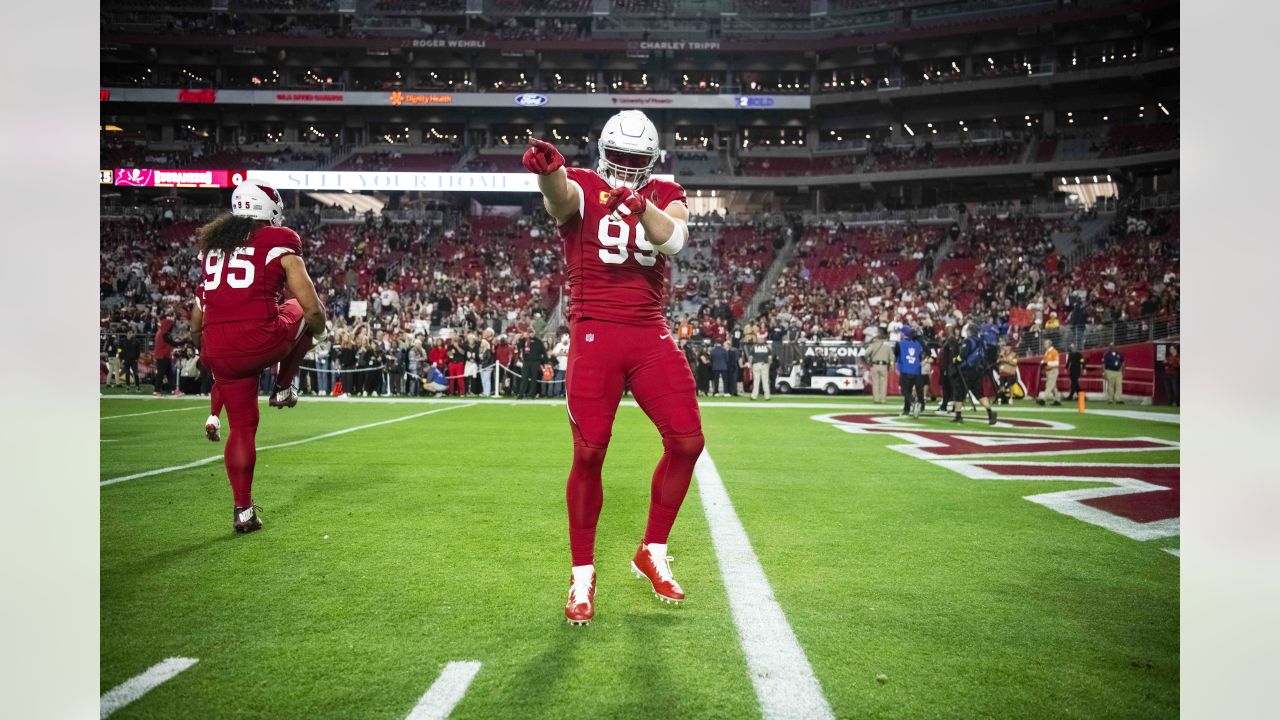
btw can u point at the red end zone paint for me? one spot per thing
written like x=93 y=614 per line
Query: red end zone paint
x=900 y=422
x=950 y=445
x=1143 y=507
x=1136 y=500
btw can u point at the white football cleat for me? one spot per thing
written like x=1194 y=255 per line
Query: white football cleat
x=212 y=428
x=580 y=608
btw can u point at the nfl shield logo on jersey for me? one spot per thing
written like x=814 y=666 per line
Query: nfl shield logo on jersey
x=591 y=337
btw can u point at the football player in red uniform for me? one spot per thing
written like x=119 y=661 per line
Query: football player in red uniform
x=618 y=224
x=242 y=327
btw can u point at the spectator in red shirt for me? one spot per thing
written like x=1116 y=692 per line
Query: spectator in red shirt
x=164 y=357
x=502 y=356
x=438 y=356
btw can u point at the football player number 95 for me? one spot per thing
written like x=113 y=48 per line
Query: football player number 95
x=215 y=263
x=616 y=234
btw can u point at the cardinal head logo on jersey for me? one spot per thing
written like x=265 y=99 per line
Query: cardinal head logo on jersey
x=628 y=150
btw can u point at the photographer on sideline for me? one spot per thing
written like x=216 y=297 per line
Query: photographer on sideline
x=972 y=368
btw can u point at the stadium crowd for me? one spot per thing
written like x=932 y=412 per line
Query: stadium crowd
x=848 y=284
x=388 y=287
x=469 y=305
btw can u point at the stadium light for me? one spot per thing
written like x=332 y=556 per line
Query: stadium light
x=907 y=127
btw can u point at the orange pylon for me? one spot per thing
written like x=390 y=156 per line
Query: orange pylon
x=1080 y=401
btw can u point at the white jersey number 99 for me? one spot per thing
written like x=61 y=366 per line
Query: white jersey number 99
x=617 y=234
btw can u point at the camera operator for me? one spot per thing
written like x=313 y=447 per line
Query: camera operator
x=951 y=390
x=973 y=367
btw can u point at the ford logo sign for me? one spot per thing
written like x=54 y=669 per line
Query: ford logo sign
x=531 y=100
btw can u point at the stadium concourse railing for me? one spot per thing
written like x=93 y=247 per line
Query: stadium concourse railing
x=1089 y=337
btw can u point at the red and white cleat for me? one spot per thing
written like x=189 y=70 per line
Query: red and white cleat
x=653 y=564
x=212 y=428
x=581 y=605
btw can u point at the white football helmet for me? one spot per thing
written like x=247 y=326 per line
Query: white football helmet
x=257 y=201
x=628 y=150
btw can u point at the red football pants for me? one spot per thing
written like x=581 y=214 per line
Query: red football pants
x=236 y=354
x=605 y=358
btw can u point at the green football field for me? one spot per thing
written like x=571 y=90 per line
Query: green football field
x=905 y=560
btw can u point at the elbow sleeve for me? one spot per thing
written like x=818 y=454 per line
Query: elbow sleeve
x=675 y=242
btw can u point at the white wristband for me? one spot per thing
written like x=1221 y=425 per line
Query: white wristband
x=675 y=242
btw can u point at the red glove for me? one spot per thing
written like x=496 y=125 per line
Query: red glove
x=623 y=202
x=542 y=158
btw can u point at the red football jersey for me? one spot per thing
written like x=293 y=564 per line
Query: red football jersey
x=248 y=284
x=614 y=273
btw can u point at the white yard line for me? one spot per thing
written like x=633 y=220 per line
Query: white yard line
x=151 y=412
x=784 y=681
x=1142 y=415
x=335 y=433
x=446 y=692
x=139 y=685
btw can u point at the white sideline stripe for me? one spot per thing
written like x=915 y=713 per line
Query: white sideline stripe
x=1176 y=552
x=784 y=681
x=139 y=685
x=335 y=433
x=151 y=412
x=852 y=405
x=446 y=692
